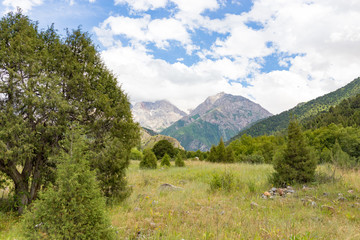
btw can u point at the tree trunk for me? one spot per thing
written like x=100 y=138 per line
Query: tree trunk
x=22 y=196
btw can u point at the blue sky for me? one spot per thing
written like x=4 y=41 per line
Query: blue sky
x=277 y=53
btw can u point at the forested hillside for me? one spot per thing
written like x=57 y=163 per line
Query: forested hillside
x=347 y=113
x=280 y=122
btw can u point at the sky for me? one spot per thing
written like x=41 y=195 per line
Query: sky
x=276 y=53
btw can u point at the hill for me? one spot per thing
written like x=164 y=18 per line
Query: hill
x=148 y=140
x=306 y=110
x=347 y=113
x=219 y=116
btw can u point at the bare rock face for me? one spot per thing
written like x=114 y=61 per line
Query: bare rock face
x=219 y=116
x=156 y=115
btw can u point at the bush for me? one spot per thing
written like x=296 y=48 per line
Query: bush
x=179 y=162
x=224 y=181
x=74 y=208
x=165 y=161
x=136 y=154
x=254 y=158
x=149 y=160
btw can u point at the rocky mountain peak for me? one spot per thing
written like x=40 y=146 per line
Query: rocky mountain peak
x=156 y=115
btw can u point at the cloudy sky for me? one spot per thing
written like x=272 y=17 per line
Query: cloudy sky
x=277 y=53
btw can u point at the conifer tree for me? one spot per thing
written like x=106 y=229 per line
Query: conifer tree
x=221 y=151
x=296 y=163
x=179 y=162
x=165 y=161
x=149 y=160
x=230 y=155
x=212 y=157
x=74 y=208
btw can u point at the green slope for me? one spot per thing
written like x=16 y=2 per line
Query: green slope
x=279 y=122
x=347 y=114
x=206 y=134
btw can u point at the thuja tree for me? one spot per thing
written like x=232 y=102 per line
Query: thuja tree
x=73 y=208
x=295 y=164
x=165 y=161
x=46 y=83
x=149 y=160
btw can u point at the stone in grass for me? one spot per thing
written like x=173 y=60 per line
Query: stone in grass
x=329 y=208
x=169 y=187
x=254 y=205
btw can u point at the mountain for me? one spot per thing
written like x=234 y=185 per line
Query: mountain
x=222 y=115
x=157 y=115
x=148 y=140
x=302 y=111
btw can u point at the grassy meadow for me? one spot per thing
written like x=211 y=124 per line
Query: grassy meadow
x=327 y=209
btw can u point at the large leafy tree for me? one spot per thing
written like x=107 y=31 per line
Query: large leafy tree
x=46 y=84
x=162 y=147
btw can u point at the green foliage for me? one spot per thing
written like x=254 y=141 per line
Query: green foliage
x=135 y=154
x=74 y=208
x=347 y=113
x=253 y=158
x=256 y=149
x=295 y=164
x=163 y=147
x=47 y=84
x=224 y=181
x=165 y=161
x=340 y=158
x=179 y=161
x=149 y=160
x=230 y=155
x=221 y=154
x=303 y=111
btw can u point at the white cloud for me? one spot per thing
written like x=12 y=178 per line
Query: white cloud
x=319 y=42
x=144 y=30
x=146 y=78
x=25 y=5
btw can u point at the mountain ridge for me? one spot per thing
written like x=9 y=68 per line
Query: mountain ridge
x=156 y=115
x=219 y=116
x=302 y=111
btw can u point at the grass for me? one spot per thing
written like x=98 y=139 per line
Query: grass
x=197 y=212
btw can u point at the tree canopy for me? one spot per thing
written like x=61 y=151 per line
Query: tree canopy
x=46 y=84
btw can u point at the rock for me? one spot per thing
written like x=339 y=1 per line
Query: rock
x=263 y=196
x=342 y=199
x=313 y=204
x=169 y=187
x=273 y=189
x=267 y=194
x=182 y=182
x=152 y=224
x=280 y=192
x=331 y=209
x=254 y=205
